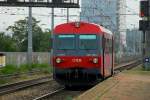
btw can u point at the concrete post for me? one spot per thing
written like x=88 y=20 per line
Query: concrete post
x=30 y=36
x=52 y=22
x=67 y=15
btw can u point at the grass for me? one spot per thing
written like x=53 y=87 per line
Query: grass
x=3 y=81
x=12 y=69
x=44 y=69
x=9 y=69
x=68 y=98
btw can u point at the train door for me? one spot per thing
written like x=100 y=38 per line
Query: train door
x=112 y=69
x=107 y=56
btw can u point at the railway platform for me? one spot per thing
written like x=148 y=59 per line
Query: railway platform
x=129 y=85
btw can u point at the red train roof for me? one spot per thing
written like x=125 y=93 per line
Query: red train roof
x=80 y=28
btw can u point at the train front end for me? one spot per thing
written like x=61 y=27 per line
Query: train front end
x=77 y=50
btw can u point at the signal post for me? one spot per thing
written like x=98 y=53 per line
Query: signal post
x=144 y=25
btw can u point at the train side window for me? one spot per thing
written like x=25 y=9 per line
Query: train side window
x=108 y=46
x=103 y=43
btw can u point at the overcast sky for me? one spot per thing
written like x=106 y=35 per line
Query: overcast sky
x=43 y=14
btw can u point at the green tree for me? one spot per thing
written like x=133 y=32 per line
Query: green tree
x=43 y=42
x=6 y=43
x=20 y=34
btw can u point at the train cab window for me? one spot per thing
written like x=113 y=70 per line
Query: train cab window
x=65 y=42
x=88 y=42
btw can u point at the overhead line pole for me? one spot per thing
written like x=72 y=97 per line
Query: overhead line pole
x=67 y=15
x=52 y=22
x=30 y=36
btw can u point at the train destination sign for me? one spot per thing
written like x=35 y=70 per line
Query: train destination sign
x=41 y=3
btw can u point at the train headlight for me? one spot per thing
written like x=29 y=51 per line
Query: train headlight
x=58 y=60
x=77 y=24
x=95 y=60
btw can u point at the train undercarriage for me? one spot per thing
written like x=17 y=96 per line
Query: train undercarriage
x=77 y=77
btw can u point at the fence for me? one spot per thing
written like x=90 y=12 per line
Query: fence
x=18 y=58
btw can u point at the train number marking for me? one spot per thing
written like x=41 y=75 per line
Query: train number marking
x=77 y=60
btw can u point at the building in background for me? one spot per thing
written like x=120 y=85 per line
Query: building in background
x=134 y=42
x=108 y=13
x=103 y=12
x=121 y=25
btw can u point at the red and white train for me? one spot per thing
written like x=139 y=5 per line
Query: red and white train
x=82 y=53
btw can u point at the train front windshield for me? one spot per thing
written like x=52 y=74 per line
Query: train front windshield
x=66 y=42
x=88 y=42
x=82 y=42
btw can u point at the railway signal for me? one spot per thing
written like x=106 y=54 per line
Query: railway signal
x=144 y=14
x=143 y=25
x=144 y=8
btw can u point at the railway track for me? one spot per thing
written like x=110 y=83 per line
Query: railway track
x=45 y=96
x=21 y=85
x=127 y=66
x=19 y=74
x=57 y=92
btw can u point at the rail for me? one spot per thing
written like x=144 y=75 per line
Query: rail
x=21 y=85
x=128 y=65
x=19 y=74
x=50 y=94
